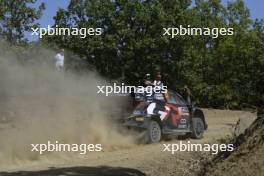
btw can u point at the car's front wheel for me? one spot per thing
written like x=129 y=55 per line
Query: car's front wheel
x=198 y=128
x=154 y=132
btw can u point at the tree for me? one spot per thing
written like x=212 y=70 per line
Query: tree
x=17 y=17
x=222 y=72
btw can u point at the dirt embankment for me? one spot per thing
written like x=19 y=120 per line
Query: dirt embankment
x=247 y=158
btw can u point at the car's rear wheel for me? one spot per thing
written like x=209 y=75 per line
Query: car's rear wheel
x=197 y=128
x=154 y=132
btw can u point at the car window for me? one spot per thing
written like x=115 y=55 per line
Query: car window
x=180 y=100
x=175 y=99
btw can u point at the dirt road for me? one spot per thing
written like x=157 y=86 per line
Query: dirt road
x=137 y=160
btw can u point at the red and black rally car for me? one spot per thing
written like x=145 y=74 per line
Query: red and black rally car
x=172 y=117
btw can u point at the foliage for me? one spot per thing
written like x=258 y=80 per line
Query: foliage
x=17 y=17
x=222 y=72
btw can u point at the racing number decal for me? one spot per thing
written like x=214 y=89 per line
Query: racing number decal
x=173 y=112
x=163 y=114
x=151 y=108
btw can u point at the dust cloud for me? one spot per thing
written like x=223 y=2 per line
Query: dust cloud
x=40 y=104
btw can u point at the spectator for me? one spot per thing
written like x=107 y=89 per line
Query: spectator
x=147 y=80
x=59 y=60
x=187 y=94
x=158 y=83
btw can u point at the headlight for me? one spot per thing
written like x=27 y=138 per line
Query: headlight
x=139 y=119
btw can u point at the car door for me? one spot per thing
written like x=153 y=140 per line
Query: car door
x=178 y=115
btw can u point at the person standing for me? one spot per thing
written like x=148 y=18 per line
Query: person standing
x=148 y=88
x=187 y=94
x=147 y=80
x=59 y=60
x=158 y=83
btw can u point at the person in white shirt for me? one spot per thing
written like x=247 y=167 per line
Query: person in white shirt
x=59 y=60
x=158 y=83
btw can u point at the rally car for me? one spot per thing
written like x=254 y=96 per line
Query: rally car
x=173 y=117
